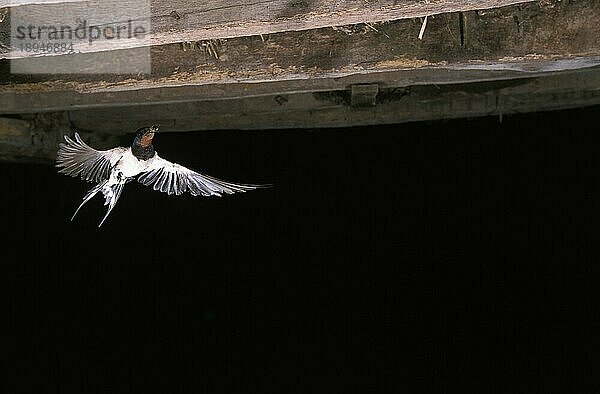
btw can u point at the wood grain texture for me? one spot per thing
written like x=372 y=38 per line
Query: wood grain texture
x=33 y=138
x=58 y=100
x=518 y=58
x=492 y=47
x=334 y=109
x=17 y=3
x=179 y=20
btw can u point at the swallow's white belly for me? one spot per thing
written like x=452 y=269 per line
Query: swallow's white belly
x=129 y=165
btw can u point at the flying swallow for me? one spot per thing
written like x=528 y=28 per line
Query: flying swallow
x=112 y=169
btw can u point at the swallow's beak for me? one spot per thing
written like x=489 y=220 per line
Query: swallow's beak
x=150 y=131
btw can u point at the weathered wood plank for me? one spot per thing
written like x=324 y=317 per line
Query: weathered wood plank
x=35 y=137
x=334 y=109
x=492 y=47
x=39 y=101
x=184 y=20
x=17 y=3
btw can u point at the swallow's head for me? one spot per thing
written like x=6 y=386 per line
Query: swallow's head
x=144 y=135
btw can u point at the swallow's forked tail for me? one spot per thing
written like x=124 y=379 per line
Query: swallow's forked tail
x=111 y=195
x=89 y=196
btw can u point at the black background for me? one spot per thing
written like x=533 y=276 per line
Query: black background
x=446 y=254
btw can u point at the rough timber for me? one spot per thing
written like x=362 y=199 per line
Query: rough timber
x=302 y=64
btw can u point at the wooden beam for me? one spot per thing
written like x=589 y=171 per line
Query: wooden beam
x=18 y=3
x=34 y=138
x=456 y=48
x=36 y=101
x=335 y=109
x=183 y=20
x=19 y=142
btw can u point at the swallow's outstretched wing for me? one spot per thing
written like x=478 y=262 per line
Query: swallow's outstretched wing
x=76 y=158
x=176 y=179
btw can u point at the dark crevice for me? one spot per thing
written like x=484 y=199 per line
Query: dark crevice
x=461 y=26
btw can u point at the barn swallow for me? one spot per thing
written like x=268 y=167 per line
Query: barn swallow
x=112 y=169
